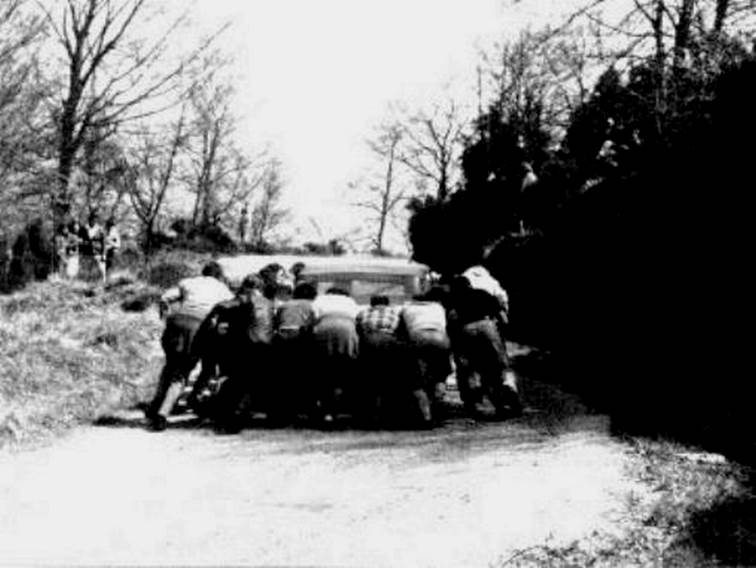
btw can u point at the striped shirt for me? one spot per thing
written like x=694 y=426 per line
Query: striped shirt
x=378 y=318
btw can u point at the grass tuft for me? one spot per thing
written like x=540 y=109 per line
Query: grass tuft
x=70 y=355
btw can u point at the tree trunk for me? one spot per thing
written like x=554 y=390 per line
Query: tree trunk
x=660 y=95
x=721 y=15
x=443 y=190
x=682 y=34
x=62 y=198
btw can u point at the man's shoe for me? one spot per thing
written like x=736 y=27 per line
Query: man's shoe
x=230 y=426
x=157 y=423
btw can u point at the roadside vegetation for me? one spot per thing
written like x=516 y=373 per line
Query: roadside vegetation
x=700 y=512
x=75 y=351
x=601 y=182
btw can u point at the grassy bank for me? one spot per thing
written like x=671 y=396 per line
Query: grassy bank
x=700 y=513
x=70 y=353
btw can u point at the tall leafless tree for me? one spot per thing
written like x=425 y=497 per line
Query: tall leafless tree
x=670 y=36
x=220 y=174
x=429 y=143
x=154 y=165
x=382 y=193
x=544 y=72
x=268 y=213
x=21 y=88
x=112 y=74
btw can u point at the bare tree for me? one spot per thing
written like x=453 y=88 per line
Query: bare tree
x=673 y=39
x=220 y=174
x=669 y=31
x=431 y=144
x=154 y=166
x=543 y=72
x=677 y=35
x=112 y=74
x=268 y=214
x=383 y=193
x=21 y=89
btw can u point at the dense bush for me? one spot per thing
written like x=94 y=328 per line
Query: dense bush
x=30 y=257
x=639 y=284
x=167 y=274
x=637 y=266
x=204 y=237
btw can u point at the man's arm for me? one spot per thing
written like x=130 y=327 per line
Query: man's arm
x=170 y=296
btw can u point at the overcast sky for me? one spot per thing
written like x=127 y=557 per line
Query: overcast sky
x=314 y=76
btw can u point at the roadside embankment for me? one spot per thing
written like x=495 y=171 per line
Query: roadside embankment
x=70 y=353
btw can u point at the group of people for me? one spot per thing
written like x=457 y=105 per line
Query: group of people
x=91 y=246
x=278 y=347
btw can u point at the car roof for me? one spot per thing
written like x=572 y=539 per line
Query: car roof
x=235 y=268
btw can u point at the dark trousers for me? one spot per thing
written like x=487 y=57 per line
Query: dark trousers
x=433 y=365
x=335 y=351
x=481 y=352
x=384 y=373
x=247 y=370
x=289 y=389
x=177 y=340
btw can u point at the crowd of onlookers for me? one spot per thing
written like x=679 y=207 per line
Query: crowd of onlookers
x=86 y=248
x=74 y=250
x=276 y=346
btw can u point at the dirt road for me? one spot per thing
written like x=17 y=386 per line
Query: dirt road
x=466 y=494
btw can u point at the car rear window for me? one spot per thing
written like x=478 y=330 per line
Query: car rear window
x=362 y=287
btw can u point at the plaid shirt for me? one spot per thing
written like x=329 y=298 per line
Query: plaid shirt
x=378 y=318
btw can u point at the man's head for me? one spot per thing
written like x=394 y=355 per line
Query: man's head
x=296 y=269
x=213 y=269
x=305 y=291
x=93 y=218
x=251 y=285
x=379 y=300
x=270 y=272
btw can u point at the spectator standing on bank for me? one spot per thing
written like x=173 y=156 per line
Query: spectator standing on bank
x=527 y=200
x=243 y=222
x=112 y=244
x=73 y=249
x=60 y=242
x=95 y=245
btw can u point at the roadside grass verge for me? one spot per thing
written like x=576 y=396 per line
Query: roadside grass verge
x=700 y=512
x=70 y=353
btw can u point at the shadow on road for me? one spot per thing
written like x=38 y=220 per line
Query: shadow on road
x=550 y=413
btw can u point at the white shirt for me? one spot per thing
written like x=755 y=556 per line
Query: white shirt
x=481 y=279
x=113 y=239
x=424 y=316
x=198 y=295
x=335 y=305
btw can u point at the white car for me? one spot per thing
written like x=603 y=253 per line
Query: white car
x=361 y=276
